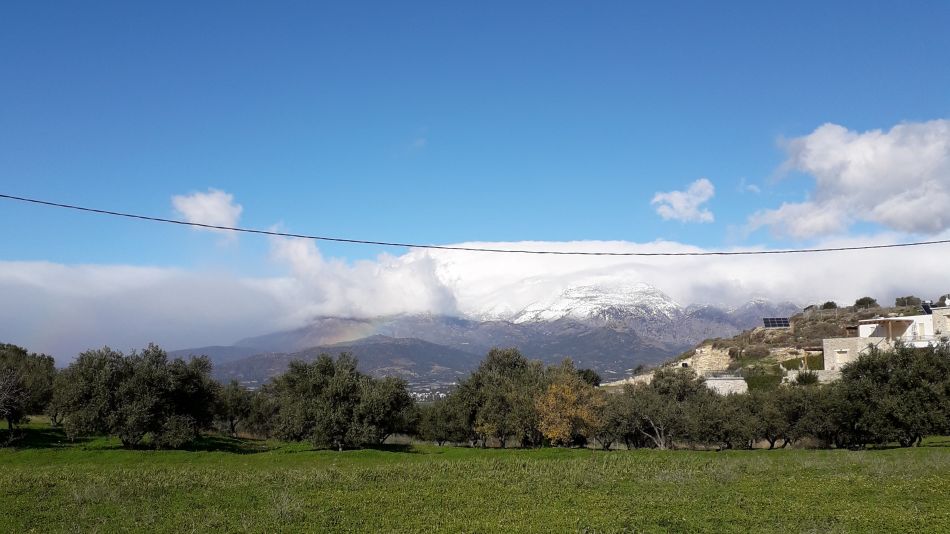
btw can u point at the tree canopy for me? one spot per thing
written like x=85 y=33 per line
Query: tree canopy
x=136 y=396
x=331 y=404
x=26 y=383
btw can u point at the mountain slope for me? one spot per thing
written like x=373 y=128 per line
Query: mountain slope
x=610 y=329
x=650 y=313
x=415 y=360
x=218 y=354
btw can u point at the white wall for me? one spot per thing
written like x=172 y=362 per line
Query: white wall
x=923 y=325
x=727 y=385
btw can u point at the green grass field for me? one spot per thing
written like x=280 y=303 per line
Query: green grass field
x=94 y=486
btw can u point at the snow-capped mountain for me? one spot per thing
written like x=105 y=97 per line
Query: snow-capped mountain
x=649 y=312
x=608 y=327
x=603 y=303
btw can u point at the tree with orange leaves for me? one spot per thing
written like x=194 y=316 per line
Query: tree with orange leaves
x=568 y=407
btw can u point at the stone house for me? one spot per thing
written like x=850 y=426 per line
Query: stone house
x=922 y=330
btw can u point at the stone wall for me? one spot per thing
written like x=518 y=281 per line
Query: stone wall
x=824 y=377
x=724 y=385
x=705 y=360
x=941 y=320
x=840 y=351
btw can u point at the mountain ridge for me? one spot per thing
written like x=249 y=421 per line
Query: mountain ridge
x=609 y=329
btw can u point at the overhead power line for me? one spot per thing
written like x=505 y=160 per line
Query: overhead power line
x=468 y=249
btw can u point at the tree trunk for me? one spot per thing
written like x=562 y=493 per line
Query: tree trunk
x=658 y=438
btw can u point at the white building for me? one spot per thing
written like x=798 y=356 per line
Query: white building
x=883 y=332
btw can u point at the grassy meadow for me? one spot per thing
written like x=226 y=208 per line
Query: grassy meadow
x=50 y=485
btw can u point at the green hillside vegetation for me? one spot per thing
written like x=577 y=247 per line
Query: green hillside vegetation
x=810 y=363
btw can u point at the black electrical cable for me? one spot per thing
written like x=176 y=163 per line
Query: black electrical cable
x=469 y=249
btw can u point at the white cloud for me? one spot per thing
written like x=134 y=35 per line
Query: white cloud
x=62 y=309
x=746 y=187
x=899 y=179
x=215 y=207
x=389 y=285
x=686 y=206
x=506 y=284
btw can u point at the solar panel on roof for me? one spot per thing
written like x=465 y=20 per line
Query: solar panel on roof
x=776 y=322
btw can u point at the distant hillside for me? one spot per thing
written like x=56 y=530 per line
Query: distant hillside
x=610 y=329
x=762 y=351
x=414 y=360
x=610 y=350
x=218 y=354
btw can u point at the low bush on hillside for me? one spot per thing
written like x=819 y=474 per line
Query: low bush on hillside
x=756 y=352
x=816 y=331
x=816 y=362
x=763 y=378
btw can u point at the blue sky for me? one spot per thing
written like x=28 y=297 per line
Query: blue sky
x=436 y=123
x=447 y=123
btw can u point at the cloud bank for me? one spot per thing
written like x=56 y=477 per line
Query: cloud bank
x=686 y=206
x=63 y=309
x=899 y=179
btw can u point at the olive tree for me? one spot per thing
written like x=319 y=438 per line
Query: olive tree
x=136 y=396
x=331 y=404
x=26 y=383
x=440 y=422
x=233 y=406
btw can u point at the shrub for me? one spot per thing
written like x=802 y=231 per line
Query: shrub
x=763 y=377
x=909 y=300
x=815 y=363
x=820 y=330
x=806 y=378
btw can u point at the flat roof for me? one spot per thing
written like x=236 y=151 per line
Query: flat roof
x=908 y=319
